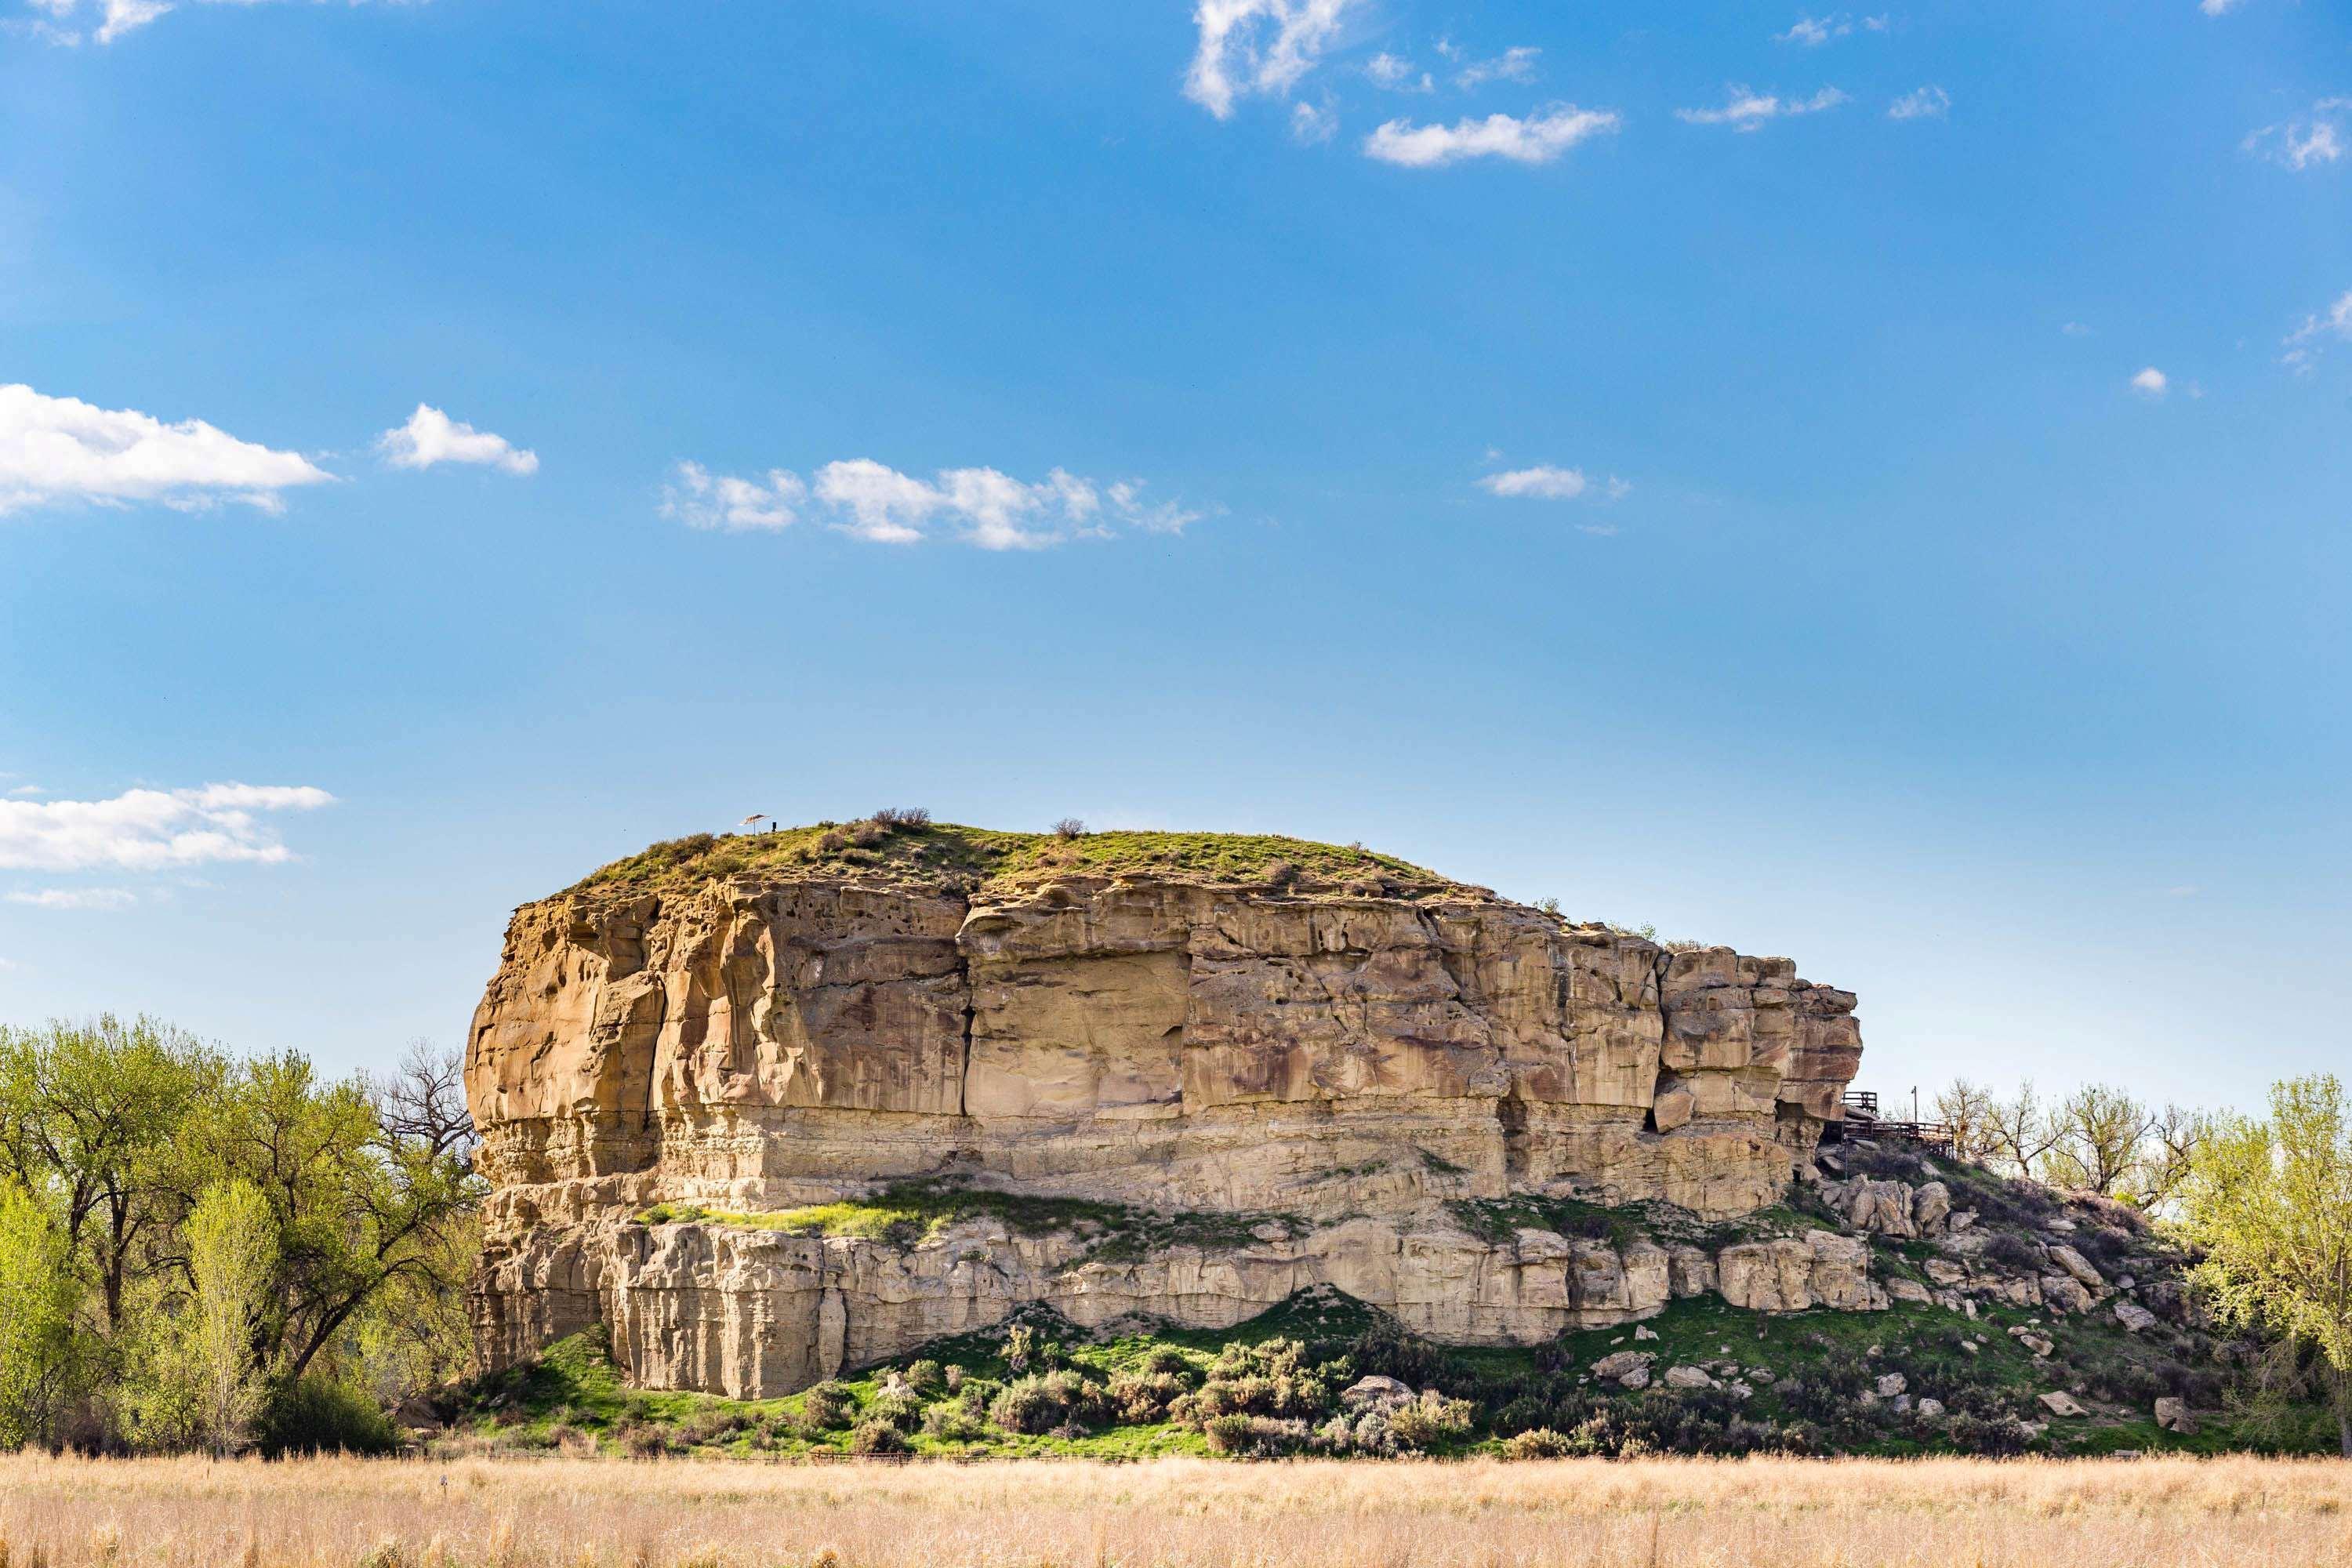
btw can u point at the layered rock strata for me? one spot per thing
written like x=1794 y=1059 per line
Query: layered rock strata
x=1352 y=1061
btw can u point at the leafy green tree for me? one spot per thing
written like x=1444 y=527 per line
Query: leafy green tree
x=85 y=1111
x=37 y=1351
x=362 y=1190
x=233 y=1265
x=2269 y=1206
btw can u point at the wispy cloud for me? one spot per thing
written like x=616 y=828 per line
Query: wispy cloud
x=1257 y=46
x=1514 y=64
x=2218 y=8
x=1537 y=139
x=699 y=499
x=2302 y=345
x=2307 y=141
x=1313 y=123
x=1547 y=482
x=1930 y=102
x=1746 y=109
x=107 y=20
x=431 y=436
x=876 y=502
x=1813 y=32
x=61 y=449
x=2075 y=330
x=1397 y=74
x=75 y=897
x=150 y=829
x=2151 y=383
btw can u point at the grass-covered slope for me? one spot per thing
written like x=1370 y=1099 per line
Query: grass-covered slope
x=886 y=848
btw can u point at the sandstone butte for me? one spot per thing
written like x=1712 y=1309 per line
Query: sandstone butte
x=1194 y=1073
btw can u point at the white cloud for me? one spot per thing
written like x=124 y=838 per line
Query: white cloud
x=1813 y=32
x=2321 y=137
x=1744 y=109
x=76 y=898
x=874 y=501
x=2217 y=7
x=1397 y=74
x=149 y=830
x=1538 y=138
x=1514 y=64
x=883 y=504
x=56 y=449
x=113 y=19
x=1312 y=125
x=1617 y=488
x=1927 y=103
x=2151 y=383
x=1542 y=482
x=700 y=500
x=2303 y=343
x=1258 y=45
x=2075 y=330
x=431 y=436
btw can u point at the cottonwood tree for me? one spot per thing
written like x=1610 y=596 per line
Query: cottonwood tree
x=86 y=1109
x=2269 y=1206
x=2020 y=1132
x=363 y=1187
x=2168 y=1154
x=37 y=1301
x=2095 y=1144
x=233 y=1266
x=1967 y=1109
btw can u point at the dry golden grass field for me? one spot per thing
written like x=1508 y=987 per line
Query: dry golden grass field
x=1755 y=1513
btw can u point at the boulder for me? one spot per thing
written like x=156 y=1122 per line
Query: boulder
x=2064 y=1293
x=1892 y=1384
x=2173 y=1415
x=1905 y=1289
x=2058 y=1402
x=1688 y=1377
x=1617 y=1363
x=2075 y=1264
x=1929 y=1409
x=1944 y=1271
x=1931 y=1205
x=2135 y=1317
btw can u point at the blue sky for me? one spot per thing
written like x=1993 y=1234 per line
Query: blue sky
x=1870 y=486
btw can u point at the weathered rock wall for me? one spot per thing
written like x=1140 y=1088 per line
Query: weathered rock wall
x=1153 y=1042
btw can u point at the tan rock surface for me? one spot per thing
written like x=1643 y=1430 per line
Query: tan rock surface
x=1168 y=1043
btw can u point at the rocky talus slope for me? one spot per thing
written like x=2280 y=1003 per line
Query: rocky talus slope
x=1188 y=1077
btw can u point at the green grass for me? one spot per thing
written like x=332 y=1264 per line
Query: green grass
x=910 y=1213
x=952 y=857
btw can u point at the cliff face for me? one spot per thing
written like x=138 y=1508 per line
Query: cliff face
x=1333 y=1065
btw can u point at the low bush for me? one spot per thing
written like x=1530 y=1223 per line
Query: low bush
x=1430 y=1421
x=871 y=1438
x=925 y=1377
x=317 y=1416
x=1539 y=1442
x=899 y=1408
x=950 y=1422
x=827 y=1407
